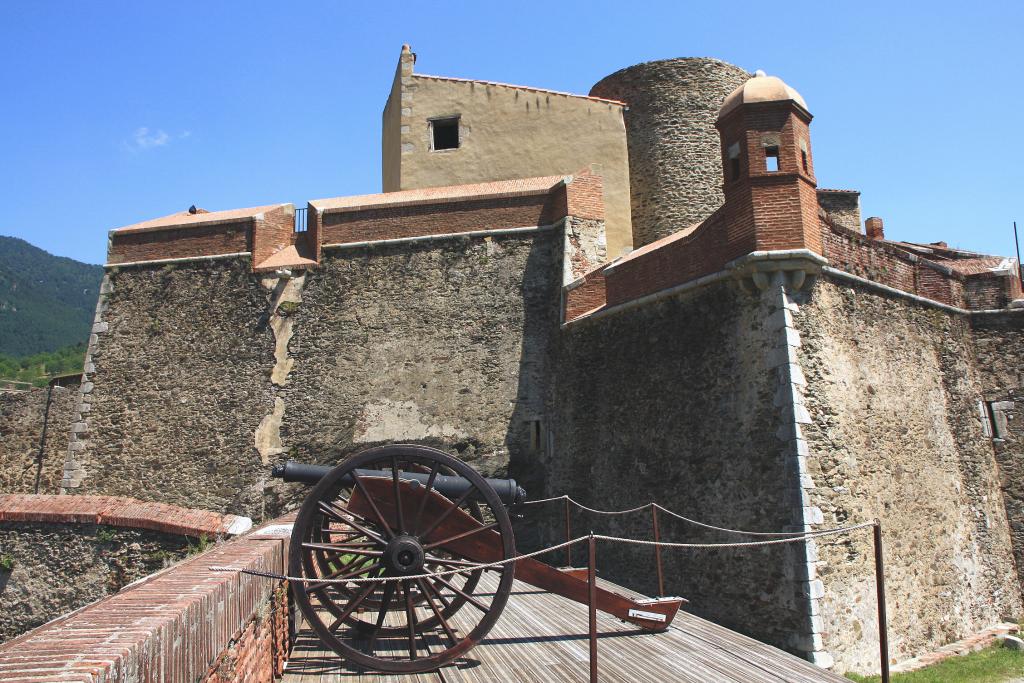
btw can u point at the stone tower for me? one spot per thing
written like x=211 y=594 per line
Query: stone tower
x=771 y=201
x=674 y=170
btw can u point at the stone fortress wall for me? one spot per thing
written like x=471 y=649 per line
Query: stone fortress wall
x=427 y=319
x=672 y=402
x=695 y=426
x=892 y=393
x=23 y=415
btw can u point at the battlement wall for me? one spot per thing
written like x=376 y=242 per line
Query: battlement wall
x=813 y=390
x=925 y=467
x=68 y=551
x=876 y=260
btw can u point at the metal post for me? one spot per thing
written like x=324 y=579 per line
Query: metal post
x=657 y=550
x=568 y=535
x=883 y=630
x=592 y=605
x=1020 y=266
x=42 y=437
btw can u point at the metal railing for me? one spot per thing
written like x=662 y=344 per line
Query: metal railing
x=300 y=220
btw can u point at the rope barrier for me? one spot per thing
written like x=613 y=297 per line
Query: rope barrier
x=510 y=560
x=388 y=579
x=743 y=544
x=678 y=516
x=728 y=531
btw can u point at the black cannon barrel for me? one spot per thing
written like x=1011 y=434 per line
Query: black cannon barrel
x=508 y=491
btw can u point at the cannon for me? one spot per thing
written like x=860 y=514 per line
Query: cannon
x=408 y=511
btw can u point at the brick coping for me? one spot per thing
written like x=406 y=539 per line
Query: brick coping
x=119 y=512
x=445 y=194
x=170 y=626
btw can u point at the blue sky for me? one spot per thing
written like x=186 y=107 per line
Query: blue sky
x=116 y=112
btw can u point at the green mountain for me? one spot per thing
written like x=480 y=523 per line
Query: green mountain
x=47 y=302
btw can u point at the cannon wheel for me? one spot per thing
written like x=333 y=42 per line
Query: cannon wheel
x=401 y=626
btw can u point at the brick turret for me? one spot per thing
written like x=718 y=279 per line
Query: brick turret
x=769 y=185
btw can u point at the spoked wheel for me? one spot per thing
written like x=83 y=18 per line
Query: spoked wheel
x=363 y=527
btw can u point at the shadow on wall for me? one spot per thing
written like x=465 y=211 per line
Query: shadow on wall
x=528 y=437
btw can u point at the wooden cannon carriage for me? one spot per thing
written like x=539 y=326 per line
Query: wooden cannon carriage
x=407 y=511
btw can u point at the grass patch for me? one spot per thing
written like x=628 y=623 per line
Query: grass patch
x=992 y=665
x=203 y=543
x=6 y=563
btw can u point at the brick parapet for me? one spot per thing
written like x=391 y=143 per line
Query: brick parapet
x=383 y=218
x=180 y=242
x=267 y=231
x=119 y=512
x=674 y=260
x=259 y=232
x=584 y=195
x=882 y=262
x=186 y=623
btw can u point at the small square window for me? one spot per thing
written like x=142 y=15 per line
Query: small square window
x=771 y=159
x=444 y=133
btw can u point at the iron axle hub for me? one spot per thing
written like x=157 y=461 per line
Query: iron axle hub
x=404 y=555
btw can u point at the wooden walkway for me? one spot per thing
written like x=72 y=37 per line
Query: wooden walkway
x=542 y=638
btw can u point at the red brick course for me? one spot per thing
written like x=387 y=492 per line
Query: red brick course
x=448 y=217
x=263 y=233
x=587 y=296
x=259 y=653
x=584 y=196
x=113 y=511
x=581 y=197
x=187 y=242
x=186 y=623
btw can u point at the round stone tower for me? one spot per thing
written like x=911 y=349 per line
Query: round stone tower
x=675 y=168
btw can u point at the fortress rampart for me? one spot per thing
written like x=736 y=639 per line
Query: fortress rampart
x=748 y=364
x=427 y=315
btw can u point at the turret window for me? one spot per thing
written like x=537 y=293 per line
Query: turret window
x=734 y=161
x=803 y=155
x=771 y=158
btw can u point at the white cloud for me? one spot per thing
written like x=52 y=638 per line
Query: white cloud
x=143 y=138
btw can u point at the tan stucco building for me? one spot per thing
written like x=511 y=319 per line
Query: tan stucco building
x=441 y=131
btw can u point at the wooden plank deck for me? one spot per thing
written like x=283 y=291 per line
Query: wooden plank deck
x=542 y=638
